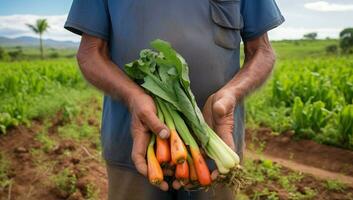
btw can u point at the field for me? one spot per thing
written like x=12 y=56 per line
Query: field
x=299 y=129
x=313 y=97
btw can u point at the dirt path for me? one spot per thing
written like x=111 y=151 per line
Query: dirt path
x=322 y=161
x=317 y=172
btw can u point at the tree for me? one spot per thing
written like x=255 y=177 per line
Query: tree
x=346 y=40
x=2 y=53
x=39 y=28
x=332 y=49
x=310 y=36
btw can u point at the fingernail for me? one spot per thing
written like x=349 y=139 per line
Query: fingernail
x=163 y=134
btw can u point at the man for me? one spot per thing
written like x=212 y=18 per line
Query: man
x=207 y=33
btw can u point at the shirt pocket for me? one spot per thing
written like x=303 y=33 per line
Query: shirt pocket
x=228 y=22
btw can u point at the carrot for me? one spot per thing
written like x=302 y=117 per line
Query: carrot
x=155 y=173
x=162 y=147
x=202 y=171
x=162 y=151
x=177 y=147
x=182 y=172
x=192 y=169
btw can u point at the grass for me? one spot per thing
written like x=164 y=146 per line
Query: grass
x=48 y=143
x=265 y=172
x=91 y=192
x=65 y=181
x=5 y=181
x=335 y=185
x=77 y=132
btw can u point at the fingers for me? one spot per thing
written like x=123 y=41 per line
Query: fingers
x=176 y=185
x=223 y=116
x=223 y=106
x=214 y=175
x=139 y=148
x=164 y=186
x=155 y=125
x=207 y=112
x=225 y=132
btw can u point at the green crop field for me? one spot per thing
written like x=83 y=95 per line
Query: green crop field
x=312 y=96
x=33 y=89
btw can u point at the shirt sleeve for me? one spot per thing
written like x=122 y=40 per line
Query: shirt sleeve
x=259 y=17
x=90 y=17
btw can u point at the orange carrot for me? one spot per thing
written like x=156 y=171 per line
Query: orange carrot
x=162 y=151
x=155 y=173
x=192 y=169
x=202 y=171
x=182 y=172
x=177 y=148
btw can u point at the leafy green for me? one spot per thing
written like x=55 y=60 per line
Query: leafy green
x=165 y=75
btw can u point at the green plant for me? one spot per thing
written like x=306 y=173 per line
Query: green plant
x=309 y=116
x=65 y=181
x=38 y=88
x=332 y=49
x=47 y=143
x=309 y=96
x=346 y=40
x=5 y=181
x=307 y=195
x=78 y=132
x=262 y=170
x=288 y=181
x=54 y=55
x=3 y=54
x=334 y=185
x=345 y=125
x=265 y=193
x=91 y=192
x=70 y=110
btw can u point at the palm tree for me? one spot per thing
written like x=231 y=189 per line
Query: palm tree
x=39 y=28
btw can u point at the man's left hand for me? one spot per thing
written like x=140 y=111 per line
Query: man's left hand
x=219 y=115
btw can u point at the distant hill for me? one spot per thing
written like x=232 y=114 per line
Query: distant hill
x=26 y=41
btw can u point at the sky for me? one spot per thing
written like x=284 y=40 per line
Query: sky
x=327 y=17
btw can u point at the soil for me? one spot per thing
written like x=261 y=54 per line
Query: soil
x=308 y=181
x=305 y=152
x=32 y=174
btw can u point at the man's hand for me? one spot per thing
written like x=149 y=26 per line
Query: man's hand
x=219 y=108
x=144 y=121
x=219 y=115
x=100 y=71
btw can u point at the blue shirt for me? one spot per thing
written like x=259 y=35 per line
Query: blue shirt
x=207 y=33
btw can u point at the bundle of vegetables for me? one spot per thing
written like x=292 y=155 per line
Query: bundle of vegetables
x=164 y=75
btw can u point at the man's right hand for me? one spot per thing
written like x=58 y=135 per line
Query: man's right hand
x=96 y=66
x=144 y=121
